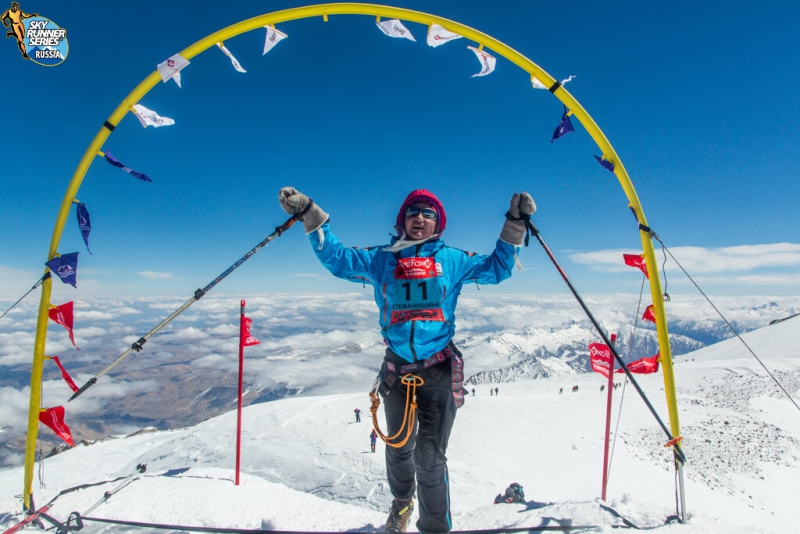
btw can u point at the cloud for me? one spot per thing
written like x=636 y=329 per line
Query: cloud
x=185 y=334
x=702 y=259
x=154 y=275
x=14 y=407
x=105 y=390
x=14 y=282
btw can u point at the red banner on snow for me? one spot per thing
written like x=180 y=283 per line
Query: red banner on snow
x=65 y=375
x=62 y=314
x=247 y=339
x=636 y=260
x=54 y=418
x=601 y=358
x=645 y=366
x=649 y=314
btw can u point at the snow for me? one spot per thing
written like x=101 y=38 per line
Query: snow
x=307 y=465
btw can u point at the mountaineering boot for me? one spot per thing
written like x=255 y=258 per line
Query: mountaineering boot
x=399 y=516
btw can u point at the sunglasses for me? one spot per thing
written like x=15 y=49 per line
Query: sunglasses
x=427 y=213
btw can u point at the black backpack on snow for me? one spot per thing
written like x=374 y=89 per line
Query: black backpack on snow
x=513 y=493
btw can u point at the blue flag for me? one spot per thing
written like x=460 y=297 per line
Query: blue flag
x=66 y=267
x=564 y=128
x=117 y=163
x=605 y=163
x=84 y=223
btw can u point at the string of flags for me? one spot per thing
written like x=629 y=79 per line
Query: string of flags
x=600 y=356
x=66 y=265
x=638 y=261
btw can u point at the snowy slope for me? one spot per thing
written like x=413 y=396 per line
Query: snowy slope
x=307 y=465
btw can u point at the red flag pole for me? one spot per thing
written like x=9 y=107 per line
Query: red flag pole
x=608 y=419
x=239 y=408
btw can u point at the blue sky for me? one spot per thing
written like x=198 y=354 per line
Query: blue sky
x=700 y=104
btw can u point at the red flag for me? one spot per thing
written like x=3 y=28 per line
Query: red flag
x=54 y=418
x=650 y=314
x=601 y=358
x=63 y=315
x=247 y=339
x=645 y=366
x=636 y=260
x=65 y=374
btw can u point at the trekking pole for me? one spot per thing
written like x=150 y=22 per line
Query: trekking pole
x=137 y=346
x=37 y=284
x=141 y=468
x=672 y=441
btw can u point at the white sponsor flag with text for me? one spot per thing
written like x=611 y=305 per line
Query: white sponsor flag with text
x=395 y=28
x=234 y=61
x=437 y=36
x=539 y=85
x=487 y=60
x=172 y=67
x=149 y=117
x=273 y=37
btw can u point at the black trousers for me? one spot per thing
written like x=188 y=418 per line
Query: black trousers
x=421 y=465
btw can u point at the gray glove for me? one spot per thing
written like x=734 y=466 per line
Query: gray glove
x=293 y=202
x=522 y=206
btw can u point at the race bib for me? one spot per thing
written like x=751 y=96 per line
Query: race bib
x=416 y=291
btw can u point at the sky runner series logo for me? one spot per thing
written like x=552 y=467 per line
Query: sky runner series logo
x=39 y=39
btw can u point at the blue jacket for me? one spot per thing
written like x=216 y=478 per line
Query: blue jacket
x=432 y=325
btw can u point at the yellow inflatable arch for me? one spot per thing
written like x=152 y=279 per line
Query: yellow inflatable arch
x=324 y=11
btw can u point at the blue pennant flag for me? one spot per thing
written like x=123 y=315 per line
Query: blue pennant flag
x=605 y=163
x=84 y=223
x=66 y=267
x=117 y=163
x=564 y=128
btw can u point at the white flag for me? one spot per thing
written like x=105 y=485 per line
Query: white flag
x=487 y=60
x=539 y=85
x=172 y=67
x=236 y=64
x=437 y=36
x=150 y=118
x=395 y=28
x=273 y=37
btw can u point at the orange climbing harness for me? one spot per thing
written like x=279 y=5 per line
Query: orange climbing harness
x=409 y=414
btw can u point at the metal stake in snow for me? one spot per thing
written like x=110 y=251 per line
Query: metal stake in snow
x=608 y=421
x=245 y=340
x=137 y=346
